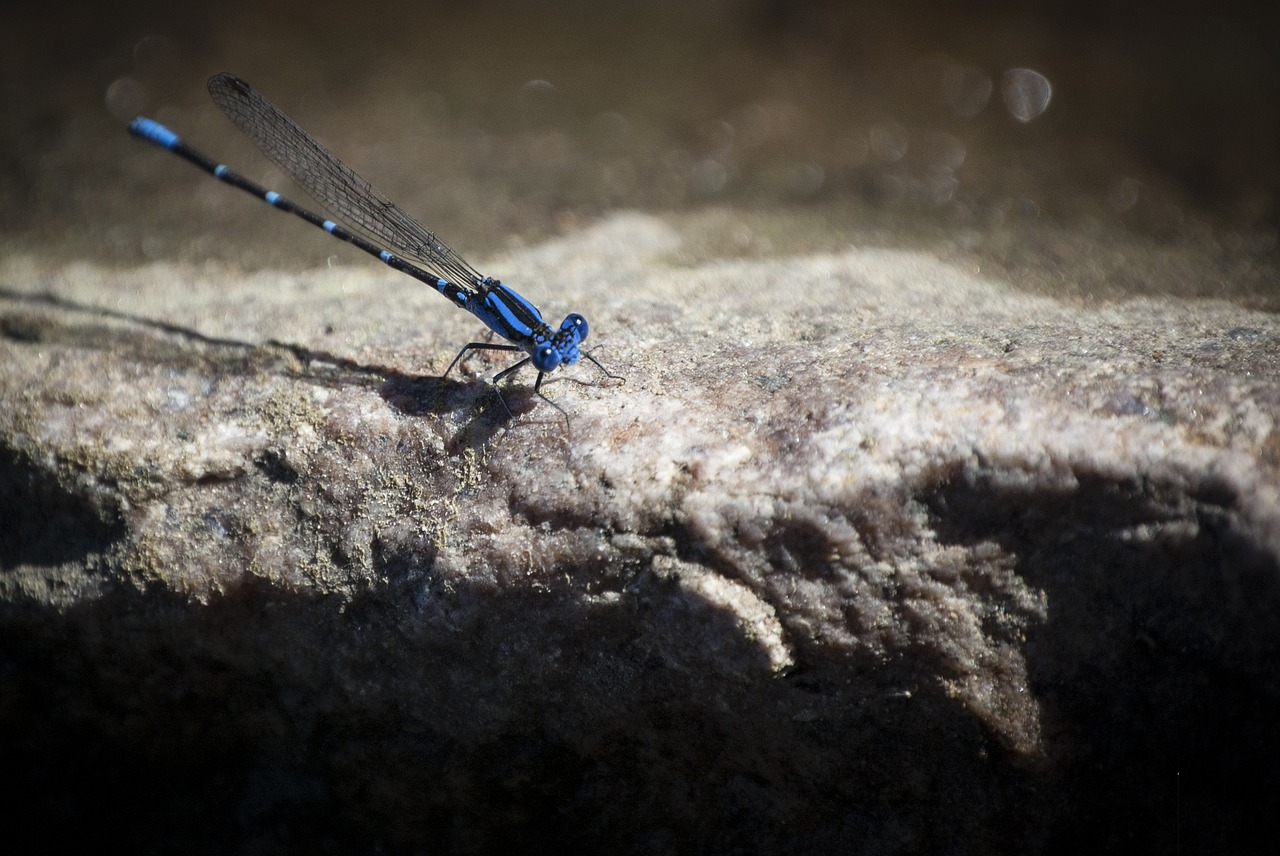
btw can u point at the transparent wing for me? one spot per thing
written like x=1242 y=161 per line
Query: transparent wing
x=332 y=183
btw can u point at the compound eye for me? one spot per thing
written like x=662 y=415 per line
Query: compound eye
x=577 y=325
x=546 y=358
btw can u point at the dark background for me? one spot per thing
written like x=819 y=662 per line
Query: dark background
x=500 y=122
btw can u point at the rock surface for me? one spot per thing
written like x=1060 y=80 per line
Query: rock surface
x=868 y=553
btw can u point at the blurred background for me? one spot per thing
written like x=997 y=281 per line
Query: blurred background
x=1087 y=149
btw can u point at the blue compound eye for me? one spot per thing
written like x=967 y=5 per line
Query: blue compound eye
x=575 y=324
x=545 y=358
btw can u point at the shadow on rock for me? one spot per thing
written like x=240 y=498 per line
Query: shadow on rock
x=427 y=716
x=1156 y=667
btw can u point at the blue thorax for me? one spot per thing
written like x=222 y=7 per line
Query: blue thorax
x=518 y=321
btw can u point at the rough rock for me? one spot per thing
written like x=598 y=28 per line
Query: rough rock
x=867 y=553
